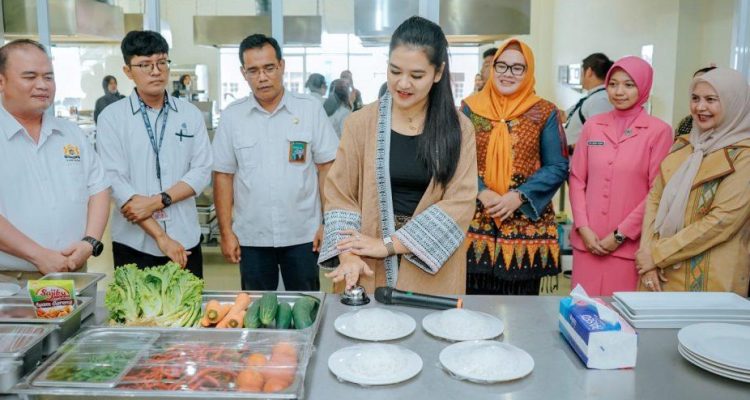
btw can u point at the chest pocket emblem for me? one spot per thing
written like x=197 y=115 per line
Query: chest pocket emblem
x=297 y=151
x=71 y=152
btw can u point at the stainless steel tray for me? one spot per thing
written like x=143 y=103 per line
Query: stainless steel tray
x=85 y=350
x=85 y=285
x=19 y=310
x=21 y=348
x=239 y=341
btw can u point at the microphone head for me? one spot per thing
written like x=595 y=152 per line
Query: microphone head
x=384 y=294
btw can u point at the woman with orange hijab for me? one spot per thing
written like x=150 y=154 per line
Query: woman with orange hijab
x=522 y=160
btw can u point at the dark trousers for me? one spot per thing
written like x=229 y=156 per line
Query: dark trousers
x=259 y=267
x=127 y=255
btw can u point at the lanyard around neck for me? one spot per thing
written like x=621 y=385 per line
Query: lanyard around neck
x=156 y=146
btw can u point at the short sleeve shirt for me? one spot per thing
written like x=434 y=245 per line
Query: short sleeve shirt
x=46 y=185
x=273 y=157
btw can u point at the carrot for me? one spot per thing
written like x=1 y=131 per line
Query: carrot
x=205 y=322
x=223 y=311
x=212 y=311
x=240 y=305
x=236 y=321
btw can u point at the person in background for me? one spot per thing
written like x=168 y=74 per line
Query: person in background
x=522 y=160
x=478 y=82
x=686 y=124
x=485 y=71
x=695 y=229
x=156 y=152
x=273 y=150
x=111 y=95
x=610 y=175
x=54 y=202
x=337 y=104
x=401 y=192
x=316 y=84
x=185 y=83
x=594 y=69
x=355 y=98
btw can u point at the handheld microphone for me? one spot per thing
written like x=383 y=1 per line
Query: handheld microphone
x=389 y=295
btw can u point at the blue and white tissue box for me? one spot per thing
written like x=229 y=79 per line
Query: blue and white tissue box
x=600 y=344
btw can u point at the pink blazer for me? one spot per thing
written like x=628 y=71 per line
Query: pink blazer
x=610 y=177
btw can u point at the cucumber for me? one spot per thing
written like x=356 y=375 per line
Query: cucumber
x=251 y=317
x=268 y=306
x=284 y=316
x=303 y=312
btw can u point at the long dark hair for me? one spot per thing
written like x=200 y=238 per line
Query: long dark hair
x=338 y=95
x=439 y=145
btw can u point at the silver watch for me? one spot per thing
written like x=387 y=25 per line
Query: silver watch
x=388 y=242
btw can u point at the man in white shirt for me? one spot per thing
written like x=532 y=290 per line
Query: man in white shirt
x=594 y=70
x=156 y=153
x=272 y=151
x=54 y=199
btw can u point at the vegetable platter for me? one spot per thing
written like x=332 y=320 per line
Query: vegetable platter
x=176 y=363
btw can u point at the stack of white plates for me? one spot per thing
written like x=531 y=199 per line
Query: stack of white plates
x=723 y=349
x=680 y=309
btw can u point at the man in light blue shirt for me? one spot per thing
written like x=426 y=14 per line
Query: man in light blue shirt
x=54 y=199
x=271 y=154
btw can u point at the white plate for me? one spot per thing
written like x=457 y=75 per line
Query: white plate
x=710 y=368
x=459 y=324
x=8 y=289
x=486 y=361
x=375 y=364
x=685 y=316
x=686 y=352
x=726 y=344
x=666 y=323
x=375 y=324
x=693 y=303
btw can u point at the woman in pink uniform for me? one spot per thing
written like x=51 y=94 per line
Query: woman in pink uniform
x=611 y=174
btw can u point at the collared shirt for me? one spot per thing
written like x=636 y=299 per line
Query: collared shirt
x=130 y=164
x=596 y=102
x=272 y=156
x=46 y=185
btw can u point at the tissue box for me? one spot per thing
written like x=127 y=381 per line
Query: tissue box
x=599 y=344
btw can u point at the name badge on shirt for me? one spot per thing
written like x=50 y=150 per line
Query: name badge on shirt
x=596 y=143
x=297 y=152
x=161 y=216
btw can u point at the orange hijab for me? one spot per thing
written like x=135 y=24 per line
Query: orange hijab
x=491 y=104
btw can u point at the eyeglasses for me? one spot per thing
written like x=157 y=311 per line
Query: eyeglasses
x=515 y=69
x=254 y=73
x=161 y=65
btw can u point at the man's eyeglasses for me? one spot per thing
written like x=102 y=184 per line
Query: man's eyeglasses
x=254 y=73
x=161 y=65
x=515 y=69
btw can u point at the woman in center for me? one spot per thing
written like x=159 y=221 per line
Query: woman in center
x=401 y=193
x=522 y=162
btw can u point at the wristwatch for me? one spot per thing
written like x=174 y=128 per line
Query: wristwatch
x=166 y=199
x=388 y=242
x=619 y=237
x=97 y=245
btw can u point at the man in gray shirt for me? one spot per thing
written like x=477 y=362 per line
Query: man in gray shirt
x=594 y=70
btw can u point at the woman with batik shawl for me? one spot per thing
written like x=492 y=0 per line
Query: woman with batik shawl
x=695 y=229
x=523 y=160
x=401 y=193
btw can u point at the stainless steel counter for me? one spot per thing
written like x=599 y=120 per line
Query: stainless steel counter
x=531 y=324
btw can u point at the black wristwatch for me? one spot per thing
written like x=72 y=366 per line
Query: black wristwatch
x=619 y=237
x=166 y=199
x=98 y=247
